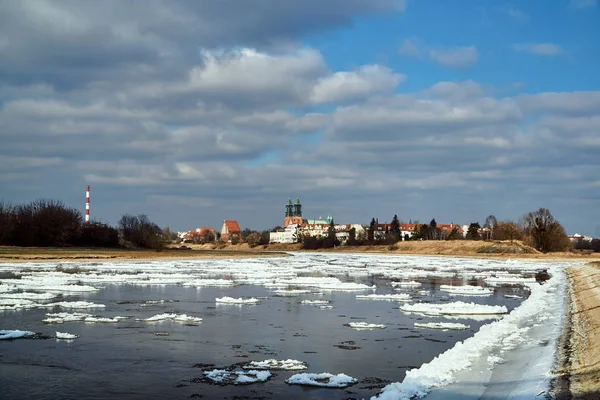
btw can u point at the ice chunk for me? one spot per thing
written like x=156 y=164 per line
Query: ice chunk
x=72 y=304
x=171 y=317
x=508 y=280
x=323 y=379
x=66 y=336
x=316 y=302
x=209 y=282
x=28 y=296
x=467 y=290
x=456 y=308
x=406 y=283
x=441 y=325
x=288 y=365
x=222 y=376
x=364 y=325
x=15 y=334
x=231 y=300
x=291 y=292
x=389 y=297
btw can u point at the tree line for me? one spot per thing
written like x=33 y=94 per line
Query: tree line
x=538 y=229
x=50 y=223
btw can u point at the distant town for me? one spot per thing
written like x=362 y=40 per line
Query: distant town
x=296 y=229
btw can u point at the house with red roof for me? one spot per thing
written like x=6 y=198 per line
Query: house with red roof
x=230 y=230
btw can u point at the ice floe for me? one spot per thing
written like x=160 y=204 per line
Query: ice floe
x=231 y=300
x=15 y=334
x=224 y=377
x=291 y=292
x=365 y=325
x=323 y=379
x=466 y=290
x=27 y=296
x=456 y=308
x=508 y=280
x=315 y=302
x=406 y=284
x=389 y=297
x=286 y=365
x=66 y=336
x=171 y=317
x=512 y=296
x=210 y=282
x=61 y=318
x=441 y=325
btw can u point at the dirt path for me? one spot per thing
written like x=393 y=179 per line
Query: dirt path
x=584 y=368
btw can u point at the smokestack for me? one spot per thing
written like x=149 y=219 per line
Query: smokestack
x=87 y=205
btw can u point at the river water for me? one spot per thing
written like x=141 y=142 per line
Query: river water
x=133 y=359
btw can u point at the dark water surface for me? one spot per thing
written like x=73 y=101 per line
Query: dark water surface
x=127 y=360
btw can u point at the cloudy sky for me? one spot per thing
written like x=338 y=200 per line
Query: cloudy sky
x=197 y=111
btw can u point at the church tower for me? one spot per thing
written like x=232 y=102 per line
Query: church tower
x=293 y=213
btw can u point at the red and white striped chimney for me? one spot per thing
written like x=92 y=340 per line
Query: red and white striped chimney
x=87 y=205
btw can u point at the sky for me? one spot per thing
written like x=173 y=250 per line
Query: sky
x=193 y=112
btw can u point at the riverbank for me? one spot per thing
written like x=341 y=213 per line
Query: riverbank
x=582 y=364
x=459 y=248
x=44 y=254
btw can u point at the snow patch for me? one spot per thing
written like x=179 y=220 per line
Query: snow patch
x=287 y=365
x=324 y=379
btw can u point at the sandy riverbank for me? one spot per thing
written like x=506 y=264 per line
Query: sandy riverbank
x=583 y=354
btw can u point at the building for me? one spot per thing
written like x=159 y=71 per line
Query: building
x=199 y=235
x=293 y=213
x=290 y=234
x=230 y=230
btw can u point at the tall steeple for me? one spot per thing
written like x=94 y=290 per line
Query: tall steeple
x=289 y=209
x=297 y=208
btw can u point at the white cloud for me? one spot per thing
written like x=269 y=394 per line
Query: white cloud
x=364 y=82
x=541 y=49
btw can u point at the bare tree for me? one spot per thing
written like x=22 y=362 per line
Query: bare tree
x=491 y=223
x=544 y=232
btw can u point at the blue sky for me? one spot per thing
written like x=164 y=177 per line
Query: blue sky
x=194 y=112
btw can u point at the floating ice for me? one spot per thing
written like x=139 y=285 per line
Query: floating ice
x=287 y=365
x=364 y=325
x=316 y=302
x=508 y=280
x=389 y=297
x=231 y=300
x=210 y=282
x=66 y=336
x=512 y=296
x=72 y=304
x=291 y=292
x=14 y=334
x=466 y=290
x=323 y=379
x=456 y=308
x=27 y=296
x=171 y=317
x=222 y=376
x=406 y=283
x=61 y=318
x=441 y=325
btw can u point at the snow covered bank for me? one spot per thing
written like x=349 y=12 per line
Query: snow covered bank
x=541 y=312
